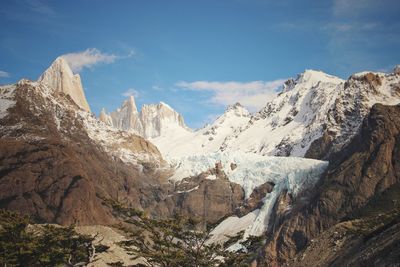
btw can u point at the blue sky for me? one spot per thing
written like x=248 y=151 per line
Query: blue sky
x=197 y=56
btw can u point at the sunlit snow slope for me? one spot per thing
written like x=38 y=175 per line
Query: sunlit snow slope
x=308 y=107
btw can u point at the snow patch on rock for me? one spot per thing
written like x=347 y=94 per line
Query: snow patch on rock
x=6 y=99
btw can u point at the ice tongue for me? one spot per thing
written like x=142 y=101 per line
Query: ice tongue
x=60 y=78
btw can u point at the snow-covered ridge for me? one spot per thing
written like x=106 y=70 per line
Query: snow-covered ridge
x=291 y=174
x=207 y=139
x=295 y=116
x=308 y=107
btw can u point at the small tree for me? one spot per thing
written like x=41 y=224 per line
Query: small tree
x=171 y=242
x=17 y=247
x=177 y=242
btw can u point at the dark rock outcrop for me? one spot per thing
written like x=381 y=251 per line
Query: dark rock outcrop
x=366 y=168
x=255 y=201
x=204 y=198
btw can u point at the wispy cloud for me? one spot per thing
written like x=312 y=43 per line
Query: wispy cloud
x=40 y=7
x=131 y=92
x=252 y=95
x=361 y=8
x=350 y=7
x=358 y=27
x=88 y=58
x=4 y=74
x=156 y=87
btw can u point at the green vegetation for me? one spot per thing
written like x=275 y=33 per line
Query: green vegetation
x=23 y=244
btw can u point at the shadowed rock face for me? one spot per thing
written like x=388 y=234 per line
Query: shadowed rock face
x=362 y=171
x=208 y=200
x=52 y=170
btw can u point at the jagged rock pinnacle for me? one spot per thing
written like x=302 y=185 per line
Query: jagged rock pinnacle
x=60 y=78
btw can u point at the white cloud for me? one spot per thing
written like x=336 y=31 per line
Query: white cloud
x=88 y=58
x=4 y=74
x=131 y=92
x=253 y=95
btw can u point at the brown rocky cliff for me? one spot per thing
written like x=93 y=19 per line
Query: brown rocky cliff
x=51 y=169
x=365 y=168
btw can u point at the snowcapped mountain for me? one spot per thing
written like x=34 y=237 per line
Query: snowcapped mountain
x=313 y=107
x=152 y=121
x=353 y=103
x=125 y=118
x=207 y=139
x=314 y=115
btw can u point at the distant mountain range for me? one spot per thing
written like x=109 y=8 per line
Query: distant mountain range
x=313 y=108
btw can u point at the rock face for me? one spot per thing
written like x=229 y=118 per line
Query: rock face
x=204 y=198
x=57 y=161
x=358 y=176
x=59 y=78
x=152 y=121
x=158 y=118
x=127 y=117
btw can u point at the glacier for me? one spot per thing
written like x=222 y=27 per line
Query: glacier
x=287 y=173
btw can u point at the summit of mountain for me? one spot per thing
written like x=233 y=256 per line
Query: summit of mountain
x=60 y=78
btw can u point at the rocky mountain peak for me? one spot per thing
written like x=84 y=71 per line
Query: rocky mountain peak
x=150 y=122
x=60 y=78
x=130 y=104
x=164 y=105
x=288 y=85
x=238 y=110
x=157 y=118
x=309 y=79
x=315 y=76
